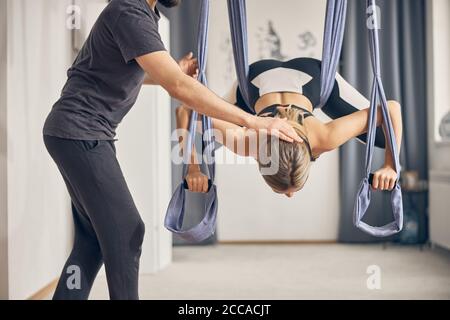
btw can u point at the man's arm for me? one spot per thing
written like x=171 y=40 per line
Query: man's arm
x=167 y=73
x=188 y=65
x=149 y=80
x=235 y=138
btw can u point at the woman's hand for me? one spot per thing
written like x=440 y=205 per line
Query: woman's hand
x=384 y=178
x=189 y=65
x=197 y=181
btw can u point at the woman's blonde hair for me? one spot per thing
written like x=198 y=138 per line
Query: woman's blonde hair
x=294 y=159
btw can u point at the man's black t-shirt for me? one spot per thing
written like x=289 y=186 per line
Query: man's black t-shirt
x=105 y=80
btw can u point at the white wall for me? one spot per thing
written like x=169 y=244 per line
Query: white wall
x=248 y=209
x=3 y=162
x=438 y=37
x=439 y=40
x=39 y=233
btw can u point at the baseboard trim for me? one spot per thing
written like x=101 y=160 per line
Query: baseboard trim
x=45 y=292
x=265 y=242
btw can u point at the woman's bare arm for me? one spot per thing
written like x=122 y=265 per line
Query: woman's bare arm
x=228 y=134
x=196 y=180
x=339 y=131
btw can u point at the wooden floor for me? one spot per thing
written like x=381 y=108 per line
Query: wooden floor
x=46 y=292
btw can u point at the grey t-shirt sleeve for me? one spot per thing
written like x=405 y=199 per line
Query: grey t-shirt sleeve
x=136 y=34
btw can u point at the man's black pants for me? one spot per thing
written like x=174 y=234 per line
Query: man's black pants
x=108 y=228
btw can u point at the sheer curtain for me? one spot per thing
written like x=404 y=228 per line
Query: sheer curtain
x=39 y=219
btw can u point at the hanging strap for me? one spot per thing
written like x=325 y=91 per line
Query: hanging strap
x=333 y=37
x=237 y=15
x=363 y=196
x=176 y=209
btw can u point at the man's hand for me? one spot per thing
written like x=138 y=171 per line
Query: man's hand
x=189 y=65
x=384 y=178
x=276 y=127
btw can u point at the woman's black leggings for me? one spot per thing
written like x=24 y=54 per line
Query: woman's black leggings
x=108 y=228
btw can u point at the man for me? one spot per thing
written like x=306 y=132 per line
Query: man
x=123 y=50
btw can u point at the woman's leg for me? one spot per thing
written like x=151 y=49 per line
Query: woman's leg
x=97 y=181
x=345 y=100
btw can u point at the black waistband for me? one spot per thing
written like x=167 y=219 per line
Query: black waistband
x=271 y=111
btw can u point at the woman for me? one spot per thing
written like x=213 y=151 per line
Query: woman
x=291 y=90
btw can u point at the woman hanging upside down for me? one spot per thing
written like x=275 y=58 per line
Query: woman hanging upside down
x=291 y=90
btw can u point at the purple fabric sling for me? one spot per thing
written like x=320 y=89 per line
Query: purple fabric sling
x=363 y=196
x=176 y=210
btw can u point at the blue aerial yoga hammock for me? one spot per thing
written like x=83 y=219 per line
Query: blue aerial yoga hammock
x=363 y=196
x=332 y=45
x=176 y=210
